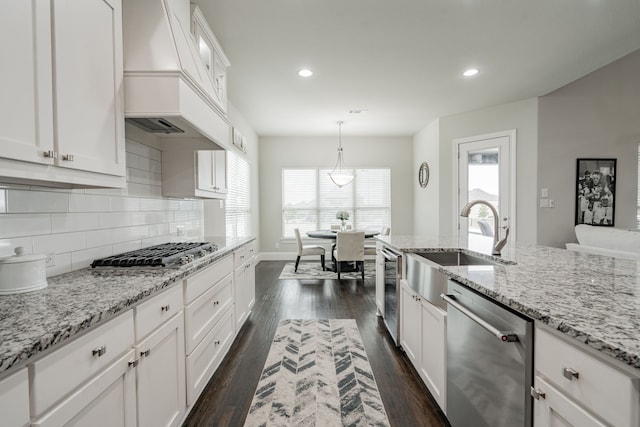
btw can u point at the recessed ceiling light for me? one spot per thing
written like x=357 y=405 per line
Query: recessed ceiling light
x=470 y=72
x=305 y=73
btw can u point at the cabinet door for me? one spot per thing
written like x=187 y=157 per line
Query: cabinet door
x=556 y=410
x=240 y=297
x=433 y=368
x=220 y=170
x=25 y=82
x=380 y=283
x=89 y=119
x=205 y=172
x=410 y=329
x=161 y=376
x=14 y=399
x=107 y=400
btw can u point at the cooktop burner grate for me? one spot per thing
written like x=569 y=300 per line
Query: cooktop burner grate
x=161 y=255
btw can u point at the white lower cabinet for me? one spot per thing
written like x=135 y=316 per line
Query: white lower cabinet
x=552 y=408
x=244 y=283
x=161 y=375
x=107 y=400
x=14 y=399
x=573 y=388
x=424 y=340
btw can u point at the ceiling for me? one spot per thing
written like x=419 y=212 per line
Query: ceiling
x=402 y=60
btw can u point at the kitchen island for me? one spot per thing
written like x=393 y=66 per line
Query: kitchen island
x=585 y=308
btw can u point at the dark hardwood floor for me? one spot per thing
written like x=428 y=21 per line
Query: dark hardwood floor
x=226 y=399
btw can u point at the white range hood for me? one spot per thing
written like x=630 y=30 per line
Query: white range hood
x=166 y=83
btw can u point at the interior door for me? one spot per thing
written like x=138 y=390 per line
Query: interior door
x=486 y=172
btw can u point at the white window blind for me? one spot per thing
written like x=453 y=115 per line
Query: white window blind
x=310 y=199
x=238 y=213
x=638 y=210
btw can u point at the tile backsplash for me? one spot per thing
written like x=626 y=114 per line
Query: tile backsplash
x=77 y=226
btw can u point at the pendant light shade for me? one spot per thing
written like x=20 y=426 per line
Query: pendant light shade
x=338 y=175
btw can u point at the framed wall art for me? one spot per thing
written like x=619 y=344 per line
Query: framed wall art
x=595 y=192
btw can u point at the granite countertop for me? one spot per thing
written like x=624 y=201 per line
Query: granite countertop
x=33 y=322
x=590 y=298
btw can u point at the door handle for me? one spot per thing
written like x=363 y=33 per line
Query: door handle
x=501 y=335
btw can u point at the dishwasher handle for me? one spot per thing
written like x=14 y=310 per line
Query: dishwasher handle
x=501 y=335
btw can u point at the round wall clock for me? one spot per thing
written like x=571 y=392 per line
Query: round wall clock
x=423 y=174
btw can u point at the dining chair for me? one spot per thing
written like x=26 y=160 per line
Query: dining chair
x=350 y=248
x=304 y=250
x=335 y=227
x=371 y=249
x=485 y=228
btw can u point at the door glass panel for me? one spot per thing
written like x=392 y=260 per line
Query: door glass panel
x=483 y=174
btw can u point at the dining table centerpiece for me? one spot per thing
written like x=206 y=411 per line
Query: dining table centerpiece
x=343 y=216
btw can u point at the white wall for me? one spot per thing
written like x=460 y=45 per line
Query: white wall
x=279 y=152
x=521 y=116
x=79 y=226
x=596 y=116
x=426 y=148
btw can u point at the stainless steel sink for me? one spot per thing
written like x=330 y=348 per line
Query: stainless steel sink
x=457 y=258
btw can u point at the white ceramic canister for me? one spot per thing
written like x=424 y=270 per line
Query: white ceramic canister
x=22 y=273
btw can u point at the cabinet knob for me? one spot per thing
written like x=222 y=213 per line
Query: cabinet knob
x=145 y=353
x=217 y=342
x=133 y=363
x=570 y=373
x=165 y=307
x=67 y=157
x=99 y=351
x=216 y=302
x=50 y=154
x=538 y=394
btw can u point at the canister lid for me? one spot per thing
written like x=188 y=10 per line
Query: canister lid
x=20 y=256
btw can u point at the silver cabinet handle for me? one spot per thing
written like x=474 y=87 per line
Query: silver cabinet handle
x=133 y=363
x=538 y=394
x=50 y=154
x=570 y=373
x=165 y=307
x=145 y=353
x=216 y=303
x=67 y=157
x=217 y=342
x=501 y=335
x=99 y=351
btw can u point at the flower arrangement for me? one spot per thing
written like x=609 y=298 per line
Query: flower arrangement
x=342 y=215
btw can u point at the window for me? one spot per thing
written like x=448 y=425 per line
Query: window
x=310 y=200
x=238 y=197
x=638 y=210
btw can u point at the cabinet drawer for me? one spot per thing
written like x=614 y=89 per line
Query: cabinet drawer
x=14 y=399
x=200 y=282
x=202 y=314
x=602 y=389
x=160 y=308
x=243 y=254
x=109 y=399
x=205 y=359
x=554 y=409
x=55 y=375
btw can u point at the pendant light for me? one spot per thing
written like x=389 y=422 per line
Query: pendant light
x=338 y=175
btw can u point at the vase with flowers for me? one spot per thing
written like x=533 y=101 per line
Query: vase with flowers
x=343 y=216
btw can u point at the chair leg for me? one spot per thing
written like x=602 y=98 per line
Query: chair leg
x=297 y=262
x=322 y=262
x=338 y=270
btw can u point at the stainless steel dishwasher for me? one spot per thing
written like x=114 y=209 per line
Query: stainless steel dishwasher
x=489 y=362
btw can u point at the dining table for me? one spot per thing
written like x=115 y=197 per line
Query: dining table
x=333 y=235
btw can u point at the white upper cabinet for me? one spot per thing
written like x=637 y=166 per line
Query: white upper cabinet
x=194 y=173
x=62 y=93
x=88 y=84
x=212 y=171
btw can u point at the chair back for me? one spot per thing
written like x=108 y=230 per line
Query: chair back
x=335 y=226
x=485 y=228
x=298 y=240
x=385 y=231
x=350 y=246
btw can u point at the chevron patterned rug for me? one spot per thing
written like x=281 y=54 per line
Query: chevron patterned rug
x=313 y=270
x=317 y=373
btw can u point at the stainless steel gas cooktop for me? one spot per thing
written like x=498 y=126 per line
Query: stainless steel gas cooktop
x=163 y=255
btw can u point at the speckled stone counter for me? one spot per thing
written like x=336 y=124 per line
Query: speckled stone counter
x=33 y=322
x=592 y=299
